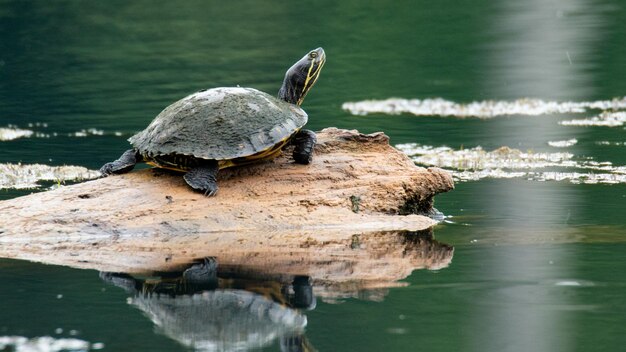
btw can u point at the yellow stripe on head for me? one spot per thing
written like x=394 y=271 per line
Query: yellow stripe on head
x=311 y=78
x=302 y=76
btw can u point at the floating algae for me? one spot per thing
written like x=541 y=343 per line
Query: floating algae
x=481 y=109
x=479 y=159
x=46 y=343
x=563 y=144
x=10 y=133
x=475 y=163
x=606 y=119
x=87 y=132
x=21 y=176
x=618 y=144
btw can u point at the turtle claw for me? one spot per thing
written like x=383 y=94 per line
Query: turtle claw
x=203 y=178
x=106 y=169
x=210 y=192
x=124 y=164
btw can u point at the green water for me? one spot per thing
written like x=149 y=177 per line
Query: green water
x=537 y=266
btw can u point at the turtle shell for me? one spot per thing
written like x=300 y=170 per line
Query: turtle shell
x=220 y=124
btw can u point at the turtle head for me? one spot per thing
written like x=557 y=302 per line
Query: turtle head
x=302 y=76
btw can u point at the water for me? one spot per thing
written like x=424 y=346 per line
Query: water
x=537 y=265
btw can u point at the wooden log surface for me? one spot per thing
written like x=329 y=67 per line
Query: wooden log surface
x=274 y=214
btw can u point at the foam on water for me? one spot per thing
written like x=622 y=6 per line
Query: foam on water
x=24 y=176
x=479 y=109
x=475 y=163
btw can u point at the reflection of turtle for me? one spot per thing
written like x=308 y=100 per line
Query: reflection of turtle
x=210 y=314
x=222 y=127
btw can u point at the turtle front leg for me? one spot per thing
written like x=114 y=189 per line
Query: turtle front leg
x=124 y=281
x=203 y=178
x=202 y=275
x=304 y=142
x=124 y=164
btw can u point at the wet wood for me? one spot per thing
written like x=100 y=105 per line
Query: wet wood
x=275 y=212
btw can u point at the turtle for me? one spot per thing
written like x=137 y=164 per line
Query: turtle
x=217 y=128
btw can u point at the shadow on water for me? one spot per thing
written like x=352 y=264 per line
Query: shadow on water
x=213 y=306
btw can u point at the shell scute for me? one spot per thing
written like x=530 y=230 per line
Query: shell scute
x=220 y=124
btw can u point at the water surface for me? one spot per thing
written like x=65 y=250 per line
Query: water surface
x=537 y=265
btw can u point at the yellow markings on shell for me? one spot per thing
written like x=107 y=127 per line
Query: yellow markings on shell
x=266 y=154
x=173 y=168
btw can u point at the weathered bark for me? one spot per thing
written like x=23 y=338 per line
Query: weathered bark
x=272 y=212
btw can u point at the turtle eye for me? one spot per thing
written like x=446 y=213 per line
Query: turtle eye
x=313 y=55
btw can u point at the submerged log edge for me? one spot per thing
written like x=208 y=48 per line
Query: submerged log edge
x=150 y=220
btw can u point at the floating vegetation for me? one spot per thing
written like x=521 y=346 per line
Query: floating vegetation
x=606 y=119
x=11 y=132
x=481 y=109
x=46 y=344
x=563 y=144
x=620 y=144
x=475 y=163
x=479 y=159
x=37 y=124
x=87 y=132
x=20 y=176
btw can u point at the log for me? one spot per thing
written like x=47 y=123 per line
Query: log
x=268 y=215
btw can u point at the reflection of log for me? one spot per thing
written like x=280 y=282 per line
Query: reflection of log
x=148 y=220
x=343 y=266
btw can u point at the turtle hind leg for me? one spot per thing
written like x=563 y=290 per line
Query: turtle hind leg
x=123 y=164
x=203 y=178
x=304 y=142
